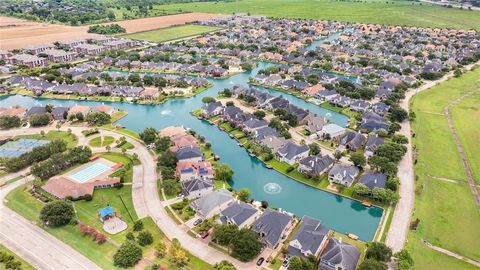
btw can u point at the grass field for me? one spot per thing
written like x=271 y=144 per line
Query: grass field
x=448 y=215
x=396 y=12
x=171 y=33
x=101 y=141
x=24 y=265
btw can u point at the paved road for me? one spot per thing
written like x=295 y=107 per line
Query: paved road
x=397 y=234
x=32 y=243
x=452 y=4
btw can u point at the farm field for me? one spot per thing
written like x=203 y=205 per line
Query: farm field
x=396 y=13
x=444 y=206
x=15 y=33
x=171 y=33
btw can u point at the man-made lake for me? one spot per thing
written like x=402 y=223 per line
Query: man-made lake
x=336 y=212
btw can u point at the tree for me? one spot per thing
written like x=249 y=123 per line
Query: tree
x=224 y=265
x=378 y=251
x=403 y=260
x=57 y=213
x=314 y=149
x=223 y=234
x=246 y=245
x=148 y=135
x=371 y=264
x=361 y=189
x=398 y=114
x=393 y=151
x=160 y=250
x=38 y=120
x=162 y=144
x=243 y=194
x=177 y=254
x=127 y=255
x=298 y=263
x=208 y=99
x=383 y=164
x=223 y=172
x=138 y=226
x=337 y=155
x=400 y=139
x=98 y=118
x=264 y=204
x=145 y=238
x=358 y=159
x=259 y=114
x=167 y=159
x=7 y=122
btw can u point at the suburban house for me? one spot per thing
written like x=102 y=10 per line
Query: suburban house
x=79 y=109
x=105 y=108
x=373 y=122
x=274 y=143
x=14 y=111
x=254 y=124
x=339 y=255
x=310 y=238
x=292 y=153
x=316 y=124
x=263 y=133
x=212 y=203
x=189 y=154
x=59 y=55
x=172 y=132
x=60 y=113
x=271 y=226
x=332 y=132
x=62 y=187
x=239 y=213
x=187 y=170
x=352 y=141
x=197 y=187
x=373 y=180
x=343 y=174
x=373 y=142
x=212 y=109
x=315 y=165
x=359 y=106
x=28 y=60
x=36 y=49
x=90 y=49
x=36 y=110
x=180 y=142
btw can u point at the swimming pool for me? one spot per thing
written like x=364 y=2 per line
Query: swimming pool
x=89 y=172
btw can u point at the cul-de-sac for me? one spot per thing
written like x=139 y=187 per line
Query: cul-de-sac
x=240 y=134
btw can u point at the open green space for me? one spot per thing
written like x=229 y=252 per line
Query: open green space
x=101 y=141
x=171 y=33
x=24 y=265
x=448 y=215
x=127 y=161
x=384 y=12
x=69 y=138
x=466 y=116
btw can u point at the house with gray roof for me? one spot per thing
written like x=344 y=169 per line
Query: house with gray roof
x=212 y=109
x=212 y=203
x=310 y=238
x=189 y=154
x=343 y=174
x=271 y=226
x=254 y=124
x=292 y=153
x=339 y=255
x=373 y=142
x=373 y=180
x=274 y=143
x=197 y=187
x=315 y=165
x=35 y=110
x=352 y=141
x=331 y=132
x=263 y=133
x=239 y=213
x=60 y=113
x=316 y=124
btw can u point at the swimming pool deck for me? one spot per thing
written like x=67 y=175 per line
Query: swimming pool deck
x=113 y=167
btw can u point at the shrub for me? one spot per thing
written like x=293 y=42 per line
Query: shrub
x=127 y=255
x=138 y=226
x=145 y=238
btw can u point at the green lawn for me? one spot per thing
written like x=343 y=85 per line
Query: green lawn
x=448 y=215
x=127 y=162
x=383 y=12
x=24 y=265
x=171 y=33
x=101 y=141
x=70 y=139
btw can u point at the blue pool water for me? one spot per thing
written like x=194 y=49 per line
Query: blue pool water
x=91 y=171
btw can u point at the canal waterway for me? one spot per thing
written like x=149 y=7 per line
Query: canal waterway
x=336 y=212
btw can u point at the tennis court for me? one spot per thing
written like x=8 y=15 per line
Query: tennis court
x=19 y=147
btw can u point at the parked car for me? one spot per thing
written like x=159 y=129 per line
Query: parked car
x=286 y=261
x=205 y=234
x=197 y=222
x=260 y=261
